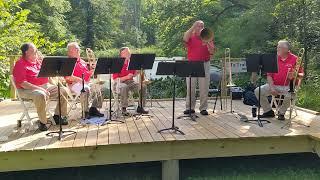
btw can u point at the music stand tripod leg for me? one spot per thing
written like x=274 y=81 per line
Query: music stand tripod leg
x=258 y=120
x=60 y=132
x=140 y=115
x=108 y=121
x=173 y=127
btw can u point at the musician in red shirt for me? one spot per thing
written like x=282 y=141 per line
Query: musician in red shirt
x=75 y=83
x=30 y=86
x=198 y=51
x=278 y=83
x=124 y=81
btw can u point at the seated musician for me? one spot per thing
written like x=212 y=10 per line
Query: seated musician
x=127 y=83
x=29 y=86
x=278 y=83
x=75 y=83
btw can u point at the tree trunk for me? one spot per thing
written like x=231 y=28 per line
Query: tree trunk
x=89 y=40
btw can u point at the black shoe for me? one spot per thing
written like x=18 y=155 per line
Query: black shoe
x=281 y=117
x=140 y=110
x=204 y=112
x=94 y=112
x=269 y=114
x=188 y=111
x=63 y=120
x=42 y=127
x=86 y=115
x=125 y=113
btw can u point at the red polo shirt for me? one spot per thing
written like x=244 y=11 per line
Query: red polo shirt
x=26 y=71
x=79 y=69
x=280 y=78
x=124 y=71
x=197 y=51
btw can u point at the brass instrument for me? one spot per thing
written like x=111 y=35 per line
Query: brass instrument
x=206 y=35
x=227 y=54
x=92 y=61
x=144 y=78
x=223 y=83
x=226 y=75
x=40 y=56
x=299 y=63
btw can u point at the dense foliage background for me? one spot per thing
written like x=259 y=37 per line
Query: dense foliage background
x=157 y=26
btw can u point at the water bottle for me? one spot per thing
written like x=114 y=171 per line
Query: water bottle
x=254 y=111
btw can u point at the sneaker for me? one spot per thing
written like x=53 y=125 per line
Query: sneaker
x=94 y=112
x=204 y=112
x=42 y=127
x=141 y=110
x=187 y=111
x=269 y=114
x=281 y=117
x=63 y=120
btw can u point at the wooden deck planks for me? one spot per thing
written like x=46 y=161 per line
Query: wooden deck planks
x=197 y=130
x=103 y=135
x=166 y=123
x=219 y=125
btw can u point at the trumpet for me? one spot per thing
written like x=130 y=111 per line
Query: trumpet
x=206 y=35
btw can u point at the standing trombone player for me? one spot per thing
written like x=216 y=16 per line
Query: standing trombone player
x=278 y=83
x=200 y=47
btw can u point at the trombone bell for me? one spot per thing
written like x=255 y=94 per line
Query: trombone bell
x=206 y=35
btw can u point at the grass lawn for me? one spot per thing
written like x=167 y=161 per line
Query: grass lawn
x=274 y=167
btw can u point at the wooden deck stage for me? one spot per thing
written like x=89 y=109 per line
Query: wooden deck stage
x=218 y=135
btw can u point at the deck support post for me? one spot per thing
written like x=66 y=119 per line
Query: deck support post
x=170 y=170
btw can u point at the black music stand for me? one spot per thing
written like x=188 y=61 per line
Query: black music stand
x=58 y=67
x=261 y=63
x=141 y=62
x=190 y=69
x=170 y=68
x=109 y=66
x=218 y=94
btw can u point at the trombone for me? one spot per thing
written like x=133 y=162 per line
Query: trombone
x=226 y=71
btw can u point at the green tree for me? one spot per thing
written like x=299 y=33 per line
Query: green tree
x=95 y=23
x=50 y=16
x=15 y=30
x=299 y=21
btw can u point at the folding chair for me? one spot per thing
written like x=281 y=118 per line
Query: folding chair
x=277 y=102
x=116 y=93
x=26 y=104
x=72 y=98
